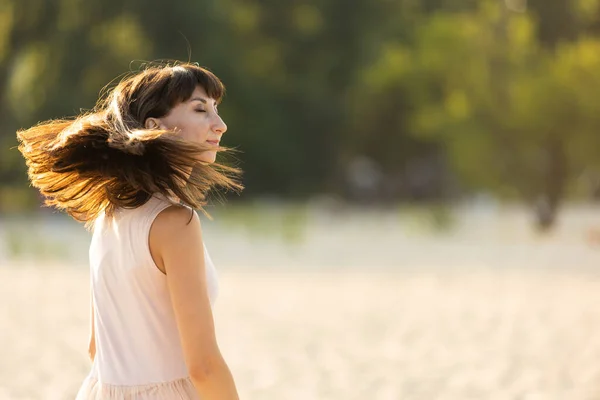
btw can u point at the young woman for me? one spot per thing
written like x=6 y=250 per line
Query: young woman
x=134 y=169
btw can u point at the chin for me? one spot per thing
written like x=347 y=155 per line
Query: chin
x=209 y=157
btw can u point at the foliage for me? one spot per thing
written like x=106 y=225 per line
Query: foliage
x=506 y=100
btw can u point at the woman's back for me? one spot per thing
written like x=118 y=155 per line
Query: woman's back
x=138 y=348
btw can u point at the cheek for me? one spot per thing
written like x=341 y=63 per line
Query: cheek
x=195 y=131
x=187 y=134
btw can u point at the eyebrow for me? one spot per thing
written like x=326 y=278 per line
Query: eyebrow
x=200 y=99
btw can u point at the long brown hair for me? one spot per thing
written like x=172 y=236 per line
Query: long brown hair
x=106 y=159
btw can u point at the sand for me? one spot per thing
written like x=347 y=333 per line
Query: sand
x=423 y=334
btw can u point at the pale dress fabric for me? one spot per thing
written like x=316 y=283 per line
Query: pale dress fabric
x=138 y=350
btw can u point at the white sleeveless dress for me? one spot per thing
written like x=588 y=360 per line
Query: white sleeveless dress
x=138 y=350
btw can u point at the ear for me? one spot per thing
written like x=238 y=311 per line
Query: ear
x=152 y=123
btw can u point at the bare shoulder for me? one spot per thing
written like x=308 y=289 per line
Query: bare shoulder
x=175 y=231
x=176 y=220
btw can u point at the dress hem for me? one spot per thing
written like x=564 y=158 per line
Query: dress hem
x=179 y=389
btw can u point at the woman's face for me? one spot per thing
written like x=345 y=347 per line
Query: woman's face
x=197 y=120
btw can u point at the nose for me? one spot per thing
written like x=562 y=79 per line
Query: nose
x=219 y=126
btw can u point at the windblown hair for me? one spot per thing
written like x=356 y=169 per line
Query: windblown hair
x=106 y=159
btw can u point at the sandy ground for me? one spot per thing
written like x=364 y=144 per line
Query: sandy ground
x=421 y=334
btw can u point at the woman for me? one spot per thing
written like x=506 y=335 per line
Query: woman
x=133 y=170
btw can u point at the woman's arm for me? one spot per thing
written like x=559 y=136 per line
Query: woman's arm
x=176 y=245
x=92 y=345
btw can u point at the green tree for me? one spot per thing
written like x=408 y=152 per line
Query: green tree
x=515 y=116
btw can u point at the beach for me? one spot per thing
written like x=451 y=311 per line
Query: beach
x=415 y=334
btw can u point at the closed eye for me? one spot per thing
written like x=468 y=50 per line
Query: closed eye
x=200 y=110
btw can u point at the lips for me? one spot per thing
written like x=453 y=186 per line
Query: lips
x=215 y=142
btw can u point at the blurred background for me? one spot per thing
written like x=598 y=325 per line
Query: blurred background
x=421 y=214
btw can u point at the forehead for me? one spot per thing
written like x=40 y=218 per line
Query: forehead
x=200 y=92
